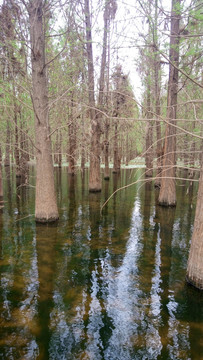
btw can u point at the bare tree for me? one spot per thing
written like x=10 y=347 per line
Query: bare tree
x=45 y=201
x=167 y=196
x=103 y=101
x=94 y=175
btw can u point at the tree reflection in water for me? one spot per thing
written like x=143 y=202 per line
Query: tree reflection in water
x=98 y=286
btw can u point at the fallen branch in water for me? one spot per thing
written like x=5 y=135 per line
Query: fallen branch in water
x=144 y=180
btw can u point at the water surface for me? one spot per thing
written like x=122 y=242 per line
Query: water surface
x=98 y=286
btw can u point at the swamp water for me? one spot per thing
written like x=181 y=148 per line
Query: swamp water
x=98 y=286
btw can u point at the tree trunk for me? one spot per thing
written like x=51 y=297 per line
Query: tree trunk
x=185 y=149
x=192 y=155
x=94 y=176
x=167 y=196
x=45 y=201
x=102 y=84
x=82 y=160
x=1 y=182
x=24 y=152
x=127 y=150
x=60 y=149
x=55 y=157
x=159 y=152
x=157 y=87
x=115 y=150
x=16 y=149
x=149 y=134
x=72 y=143
x=71 y=154
x=195 y=265
x=83 y=145
x=8 y=138
x=149 y=152
x=106 y=151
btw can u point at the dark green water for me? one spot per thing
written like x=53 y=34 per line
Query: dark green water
x=94 y=286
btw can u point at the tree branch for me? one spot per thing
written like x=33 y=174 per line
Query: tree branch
x=176 y=67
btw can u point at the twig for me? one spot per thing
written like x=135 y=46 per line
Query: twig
x=25 y=217
x=143 y=180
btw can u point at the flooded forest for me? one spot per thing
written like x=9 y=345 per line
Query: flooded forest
x=101 y=180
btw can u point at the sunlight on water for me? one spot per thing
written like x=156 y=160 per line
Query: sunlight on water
x=94 y=286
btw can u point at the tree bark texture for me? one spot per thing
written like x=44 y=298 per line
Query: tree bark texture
x=94 y=175
x=167 y=196
x=195 y=264
x=45 y=199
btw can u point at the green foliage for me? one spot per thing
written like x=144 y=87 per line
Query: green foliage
x=178 y=8
x=67 y=72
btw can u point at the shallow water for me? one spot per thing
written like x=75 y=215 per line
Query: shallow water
x=98 y=286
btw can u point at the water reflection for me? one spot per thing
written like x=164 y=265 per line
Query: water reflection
x=95 y=286
x=46 y=240
x=18 y=303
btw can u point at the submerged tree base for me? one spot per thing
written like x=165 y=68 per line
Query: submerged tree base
x=94 y=190
x=114 y=171
x=46 y=219
x=195 y=282
x=157 y=184
x=167 y=204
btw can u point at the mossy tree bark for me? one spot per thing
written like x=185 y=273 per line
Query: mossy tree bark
x=45 y=201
